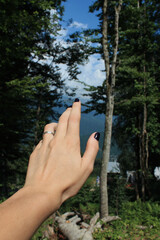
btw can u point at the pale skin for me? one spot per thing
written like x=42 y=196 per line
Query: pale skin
x=56 y=172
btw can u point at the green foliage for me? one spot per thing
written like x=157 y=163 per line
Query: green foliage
x=86 y=201
x=138 y=220
x=31 y=85
x=138 y=86
x=28 y=86
x=117 y=193
x=89 y=208
x=137 y=79
x=147 y=213
x=134 y=216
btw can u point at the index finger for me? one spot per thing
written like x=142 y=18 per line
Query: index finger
x=74 y=119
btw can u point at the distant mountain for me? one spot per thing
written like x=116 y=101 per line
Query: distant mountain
x=115 y=151
x=90 y=124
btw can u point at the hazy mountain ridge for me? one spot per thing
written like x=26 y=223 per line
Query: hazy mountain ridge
x=115 y=151
x=90 y=124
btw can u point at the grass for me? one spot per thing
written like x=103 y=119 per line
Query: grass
x=123 y=231
x=139 y=221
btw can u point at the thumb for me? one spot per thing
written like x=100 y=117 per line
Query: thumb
x=92 y=148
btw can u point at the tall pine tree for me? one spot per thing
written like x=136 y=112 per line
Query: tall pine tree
x=137 y=86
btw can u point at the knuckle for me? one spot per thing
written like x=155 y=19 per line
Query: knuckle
x=47 y=126
x=50 y=126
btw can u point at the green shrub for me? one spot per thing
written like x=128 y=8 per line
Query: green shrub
x=147 y=213
x=117 y=193
x=134 y=216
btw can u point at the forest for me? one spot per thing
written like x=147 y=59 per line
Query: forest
x=33 y=90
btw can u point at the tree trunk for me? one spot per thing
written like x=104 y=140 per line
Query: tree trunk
x=143 y=138
x=106 y=156
x=136 y=186
x=110 y=85
x=144 y=153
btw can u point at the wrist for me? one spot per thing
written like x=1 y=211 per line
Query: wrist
x=50 y=202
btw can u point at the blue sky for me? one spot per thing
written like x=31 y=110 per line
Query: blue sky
x=92 y=72
x=78 y=10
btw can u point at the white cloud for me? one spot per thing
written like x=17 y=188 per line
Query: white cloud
x=91 y=74
x=78 y=25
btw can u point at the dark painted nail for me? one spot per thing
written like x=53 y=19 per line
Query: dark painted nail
x=97 y=136
x=76 y=100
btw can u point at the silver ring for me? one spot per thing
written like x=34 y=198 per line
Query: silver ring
x=53 y=133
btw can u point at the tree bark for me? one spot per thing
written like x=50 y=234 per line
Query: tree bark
x=144 y=153
x=110 y=69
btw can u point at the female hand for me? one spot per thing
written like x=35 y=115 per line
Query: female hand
x=56 y=172
x=56 y=167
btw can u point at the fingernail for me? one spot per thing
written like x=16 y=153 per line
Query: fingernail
x=97 y=136
x=76 y=100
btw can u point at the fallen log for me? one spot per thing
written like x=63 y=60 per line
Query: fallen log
x=74 y=231
x=71 y=225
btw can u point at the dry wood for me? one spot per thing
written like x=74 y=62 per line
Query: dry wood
x=110 y=219
x=72 y=227
x=110 y=68
x=74 y=231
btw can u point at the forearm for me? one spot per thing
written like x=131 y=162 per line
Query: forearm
x=23 y=213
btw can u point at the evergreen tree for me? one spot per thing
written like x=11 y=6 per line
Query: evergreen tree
x=103 y=96
x=29 y=87
x=138 y=93
x=137 y=86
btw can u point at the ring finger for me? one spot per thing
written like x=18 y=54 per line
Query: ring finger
x=49 y=132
